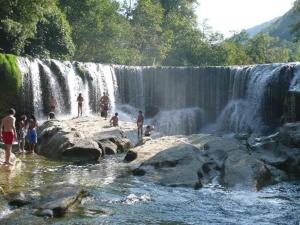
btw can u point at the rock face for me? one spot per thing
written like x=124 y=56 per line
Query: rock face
x=290 y=134
x=82 y=140
x=196 y=160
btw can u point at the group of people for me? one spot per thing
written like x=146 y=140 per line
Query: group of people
x=26 y=133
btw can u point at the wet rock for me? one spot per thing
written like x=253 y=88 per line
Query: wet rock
x=130 y=156
x=18 y=199
x=138 y=172
x=290 y=134
x=243 y=170
x=187 y=161
x=13 y=159
x=116 y=136
x=58 y=199
x=57 y=141
x=108 y=147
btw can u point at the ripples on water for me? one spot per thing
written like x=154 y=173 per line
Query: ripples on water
x=117 y=198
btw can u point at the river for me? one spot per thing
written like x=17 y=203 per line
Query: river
x=119 y=198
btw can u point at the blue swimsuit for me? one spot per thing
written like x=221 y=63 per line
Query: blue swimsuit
x=32 y=136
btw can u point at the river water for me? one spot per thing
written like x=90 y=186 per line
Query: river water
x=119 y=198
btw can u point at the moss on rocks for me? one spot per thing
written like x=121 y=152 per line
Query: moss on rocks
x=10 y=82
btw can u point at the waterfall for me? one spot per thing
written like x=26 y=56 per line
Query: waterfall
x=238 y=98
x=176 y=100
x=65 y=80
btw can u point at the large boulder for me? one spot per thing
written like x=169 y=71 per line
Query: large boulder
x=56 y=140
x=243 y=170
x=113 y=135
x=290 y=134
x=200 y=159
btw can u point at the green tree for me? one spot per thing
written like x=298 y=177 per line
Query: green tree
x=263 y=48
x=151 y=40
x=53 y=38
x=100 y=32
x=18 y=20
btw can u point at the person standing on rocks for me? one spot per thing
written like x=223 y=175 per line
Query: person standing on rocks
x=114 y=121
x=140 y=123
x=104 y=105
x=22 y=131
x=80 y=101
x=53 y=104
x=8 y=133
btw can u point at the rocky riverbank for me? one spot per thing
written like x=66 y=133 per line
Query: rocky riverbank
x=200 y=159
x=188 y=161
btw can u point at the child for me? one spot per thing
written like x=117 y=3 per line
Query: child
x=114 y=121
x=22 y=133
x=32 y=135
x=148 y=130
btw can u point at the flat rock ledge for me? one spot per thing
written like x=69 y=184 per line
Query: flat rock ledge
x=200 y=159
x=80 y=140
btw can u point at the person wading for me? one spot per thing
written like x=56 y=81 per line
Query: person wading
x=53 y=104
x=8 y=133
x=114 y=121
x=140 y=123
x=80 y=101
x=104 y=105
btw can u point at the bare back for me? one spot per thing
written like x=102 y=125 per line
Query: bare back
x=8 y=124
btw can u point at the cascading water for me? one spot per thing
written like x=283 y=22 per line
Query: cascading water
x=177 y=100
x=65 y=80
x=237 y=98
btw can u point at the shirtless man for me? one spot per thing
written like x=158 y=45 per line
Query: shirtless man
x=8 y=133
x=53 y=104
x=140 y=123
x=80 y=101
x=114 y=121
x=104 y=105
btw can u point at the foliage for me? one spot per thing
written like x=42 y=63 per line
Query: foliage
x=139 y=32
x=53 y=38
x=35 y=27
x=10 y=85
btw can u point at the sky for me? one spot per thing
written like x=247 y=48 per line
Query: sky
x=234 y=15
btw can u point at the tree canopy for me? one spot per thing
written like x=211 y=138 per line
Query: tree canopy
x=141 y=32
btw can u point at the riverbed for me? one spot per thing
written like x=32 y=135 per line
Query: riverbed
x=120 y=198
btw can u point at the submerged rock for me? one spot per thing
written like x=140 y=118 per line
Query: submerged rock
x=18 y=199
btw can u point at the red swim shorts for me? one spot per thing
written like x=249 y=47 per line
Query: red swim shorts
x=8 y=137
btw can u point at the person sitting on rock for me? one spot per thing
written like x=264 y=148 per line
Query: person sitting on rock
x=32 y=135
x=148 y=130
x=51 y=116
x=8 y=133
x=114 y=121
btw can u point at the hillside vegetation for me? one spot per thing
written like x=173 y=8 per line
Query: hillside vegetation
x=146 y=32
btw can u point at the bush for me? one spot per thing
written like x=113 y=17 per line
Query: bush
x=10 y=85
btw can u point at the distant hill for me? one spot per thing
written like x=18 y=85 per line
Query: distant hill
x=279 y=27
x=258 y=28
